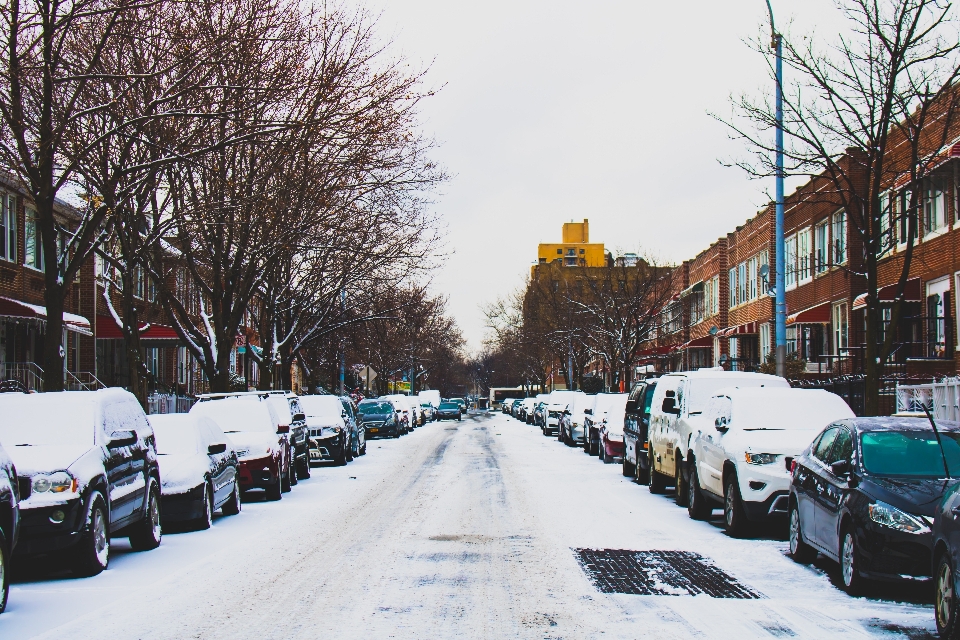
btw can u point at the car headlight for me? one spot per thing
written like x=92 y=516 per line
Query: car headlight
x=760 y=458
x=891 y=517
x=58 y=482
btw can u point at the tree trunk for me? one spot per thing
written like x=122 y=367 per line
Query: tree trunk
x=53 y=353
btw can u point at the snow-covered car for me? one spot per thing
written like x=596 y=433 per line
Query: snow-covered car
x=428 y=411
x=431 y=396
x=557 y=403
x=402 y=403
x=330 y=437
x=527 y=406
x=611 y=432
x=198 y=469
x=741 y=459
x=286 y=404
x=9 y=521
x=593 y=419
x=507 y=404
x=88 y=472
x=448 y=411
x=635 y=428
x=261 y=447
x=379 y=418
x=571 y=424
x=355 y=426
x=676 y=412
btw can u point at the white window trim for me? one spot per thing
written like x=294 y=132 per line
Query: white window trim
x=956 y=304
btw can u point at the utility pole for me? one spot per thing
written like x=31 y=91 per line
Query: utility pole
x=343 y=355
x=781 y=302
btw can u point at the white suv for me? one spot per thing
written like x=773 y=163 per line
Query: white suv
x=741 y=459
x=557 y=403
x=676 y=413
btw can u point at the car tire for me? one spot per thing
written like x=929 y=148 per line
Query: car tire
x=680 y=487
x=800 y=551
x=698 y=508
x=146 y=534
x=4 y=572
x=232 y=506
x=655 y=482
x=853 y=582
x=205 y=521
x=641 y=475
x=458 y=418
x=734 y=515
x=303 y=467
x=93 y=548
x=341 y=459
x=945 y=599
x=292 y=469
x=348 y=450
x=275 y=491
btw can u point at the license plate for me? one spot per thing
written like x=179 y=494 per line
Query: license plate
x=373 y=430
x=314 y=455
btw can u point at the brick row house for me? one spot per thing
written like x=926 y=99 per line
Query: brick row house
x=93 y=341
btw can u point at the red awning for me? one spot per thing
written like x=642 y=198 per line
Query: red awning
x=955 y=151
x=819 y=314
x=698 y=343
x=912 y=292
x=746 y=328
x=107 y=329
x=10 y=308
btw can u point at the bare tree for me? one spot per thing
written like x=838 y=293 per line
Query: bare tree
x=868 y=117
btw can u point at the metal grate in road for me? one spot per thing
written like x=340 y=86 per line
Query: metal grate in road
x=659 y=573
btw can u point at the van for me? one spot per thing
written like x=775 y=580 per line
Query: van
x=676 y=414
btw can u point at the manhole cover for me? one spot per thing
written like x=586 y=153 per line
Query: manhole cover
x=659 y=573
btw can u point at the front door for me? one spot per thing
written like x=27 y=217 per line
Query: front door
x=124 y=465
x=810 y=483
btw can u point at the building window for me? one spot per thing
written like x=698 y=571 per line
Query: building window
x=8 y=227
x=906 y=214
x=715 y=306
x=742 y=282
x=764 y=341
x=152 y=360
x=934 y=212
x=183 y=365
x=559 y=252
x=886 y=240
x=840 y=237
x=790 y=261
x=733 y=288
x=139 y=285
x=752 y=277
x=803 y=256
x=840 y=327
x=821 y=246
x=32 y=246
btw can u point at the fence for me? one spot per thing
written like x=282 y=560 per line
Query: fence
x=943 y=397
x=168 y=403
x=852 y=390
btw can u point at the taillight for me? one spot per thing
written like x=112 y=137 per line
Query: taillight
x=792 y=464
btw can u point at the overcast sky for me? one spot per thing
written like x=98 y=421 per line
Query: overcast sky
x=557 y=111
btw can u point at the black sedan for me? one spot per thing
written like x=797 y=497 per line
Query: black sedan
x=864 y=494
x=448 y=411
x=380 y=420
x=9 y=521
x=198 y=469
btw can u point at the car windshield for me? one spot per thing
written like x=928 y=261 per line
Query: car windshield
x=47 y=419
x=375 y=408
x=449 y=406
x=176 y=434
x=320 y=406
x=909 y=453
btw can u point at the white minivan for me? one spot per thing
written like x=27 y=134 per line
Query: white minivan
x=741 y=460
x=676 y=413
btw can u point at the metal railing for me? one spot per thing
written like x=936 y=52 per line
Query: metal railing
x=27 y=373
x=81 y=381
x=943 y=398
x=168 y=403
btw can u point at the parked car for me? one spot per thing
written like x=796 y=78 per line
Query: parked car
x=865 y=493
x=539 y=409
x=286 y=405
x=946 y=553
x=355 y=425
x=379 y=418
x=261 y=447
x=88 y=472
x=400 y=402
x=330 y=433
x=449 y=411
x=557 y=404
x=428 y=411
x=526 y=409
x=431 y=396
x=9 y=521
x=461 y=402
x=571 y=424
x=741 y=460
x=198 y=469
x=676 y=414
x=592 y=420
x=611 y=432
x=636 y=421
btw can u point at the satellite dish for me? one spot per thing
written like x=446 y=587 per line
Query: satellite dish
x=723 y=358
x=764 y=271
x=714 y=330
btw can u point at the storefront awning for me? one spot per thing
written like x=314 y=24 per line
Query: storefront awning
x=17 y=310
x=912 y=292
x=698 y=343
x=746 y=328
x=107 y=329
x=819 y=314
x=657 y=351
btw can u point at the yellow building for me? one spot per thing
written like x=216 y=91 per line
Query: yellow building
x=576 y=250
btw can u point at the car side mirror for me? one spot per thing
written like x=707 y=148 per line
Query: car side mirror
x=670 y=406
x=588 y=412
x=721 y=425
x=299 y=417
x=284 y=428
x=217 y=448
x=120 y=439
x=840 y=468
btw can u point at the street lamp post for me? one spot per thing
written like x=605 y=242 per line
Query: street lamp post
x=781 y=302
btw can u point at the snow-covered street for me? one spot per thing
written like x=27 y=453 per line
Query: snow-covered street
x=460 y=529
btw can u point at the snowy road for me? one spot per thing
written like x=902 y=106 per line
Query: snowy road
x=458 y=530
